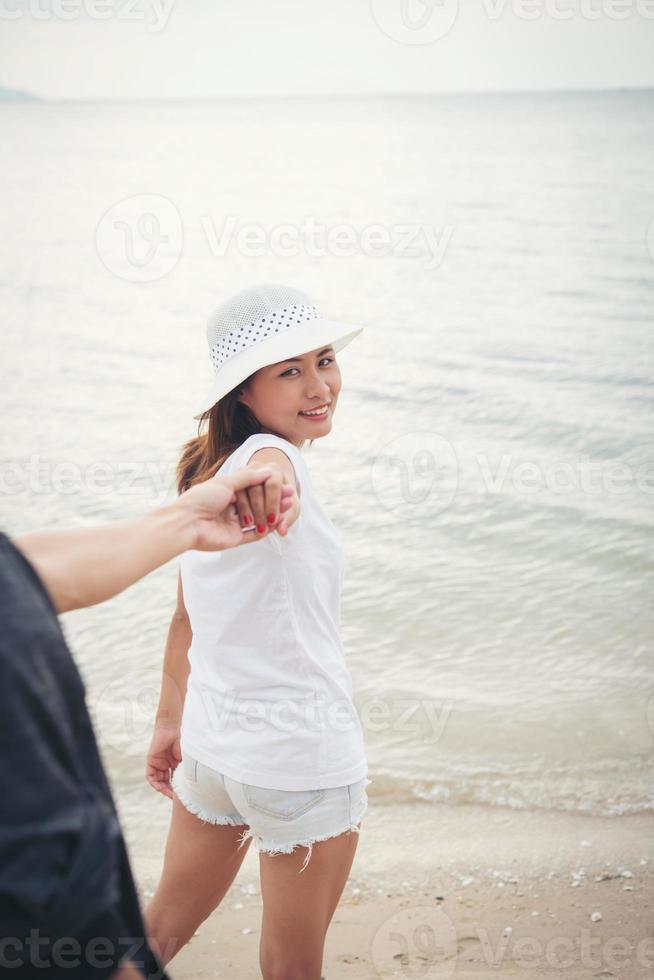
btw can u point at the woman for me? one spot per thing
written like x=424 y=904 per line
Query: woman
x=255 y=687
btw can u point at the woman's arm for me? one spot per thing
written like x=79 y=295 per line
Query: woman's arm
x=175 y=666
x=164 y=754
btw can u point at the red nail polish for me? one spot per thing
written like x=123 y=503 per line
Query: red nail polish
x=249 y=519
x=261 y=528
x=271 y=518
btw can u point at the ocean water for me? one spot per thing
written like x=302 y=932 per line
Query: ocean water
x=490 y=468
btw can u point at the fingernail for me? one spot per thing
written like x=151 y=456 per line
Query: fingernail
x=271 y=518
x=249 y=519
x=261 y=528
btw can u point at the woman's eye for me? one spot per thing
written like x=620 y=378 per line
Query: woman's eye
x=288 y=373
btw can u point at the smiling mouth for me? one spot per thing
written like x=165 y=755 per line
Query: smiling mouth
x=316 y=413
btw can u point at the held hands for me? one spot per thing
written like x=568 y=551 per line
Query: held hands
x=219 y=508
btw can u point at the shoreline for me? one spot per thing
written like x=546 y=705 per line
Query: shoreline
x=475 y=891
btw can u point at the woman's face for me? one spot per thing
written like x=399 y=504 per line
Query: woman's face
x=279 y=395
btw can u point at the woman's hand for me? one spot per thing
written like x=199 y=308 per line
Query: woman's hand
x=217 y=508
x=164 y=755
x=265 y=506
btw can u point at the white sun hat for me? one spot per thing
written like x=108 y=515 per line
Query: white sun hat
x=262 y=325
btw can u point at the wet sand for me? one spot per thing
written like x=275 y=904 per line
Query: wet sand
x=466 y=891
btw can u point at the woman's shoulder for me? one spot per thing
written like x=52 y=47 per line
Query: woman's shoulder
x=264 y=440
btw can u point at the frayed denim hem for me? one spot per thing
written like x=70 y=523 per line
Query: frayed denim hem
x=198 y=811
x=269 y=847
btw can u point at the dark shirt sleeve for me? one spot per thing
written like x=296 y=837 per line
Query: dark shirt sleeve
x=64 y=871
x=58 y=836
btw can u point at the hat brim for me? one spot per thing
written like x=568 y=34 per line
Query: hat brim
x=297 y=340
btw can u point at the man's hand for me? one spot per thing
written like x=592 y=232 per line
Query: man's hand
x=214 y=518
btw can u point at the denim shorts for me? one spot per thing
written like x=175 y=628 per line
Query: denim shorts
x=278 y=820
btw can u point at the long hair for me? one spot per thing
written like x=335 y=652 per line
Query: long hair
x=230 y=423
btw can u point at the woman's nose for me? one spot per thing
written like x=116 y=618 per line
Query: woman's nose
x=317 y=386
x=320 y=389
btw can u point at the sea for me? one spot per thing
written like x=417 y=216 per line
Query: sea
x=490 y=468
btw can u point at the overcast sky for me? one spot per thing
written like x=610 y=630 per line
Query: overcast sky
x=212 y=48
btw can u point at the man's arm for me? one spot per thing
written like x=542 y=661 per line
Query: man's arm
x=84 y=566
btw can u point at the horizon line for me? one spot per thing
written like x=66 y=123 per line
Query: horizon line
x=26 y=96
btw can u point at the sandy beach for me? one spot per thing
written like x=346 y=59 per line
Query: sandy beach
x=438 y=891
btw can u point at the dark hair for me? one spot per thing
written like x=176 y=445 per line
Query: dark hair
x=230 y=423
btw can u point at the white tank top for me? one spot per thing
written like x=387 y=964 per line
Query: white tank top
x=269 y=695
